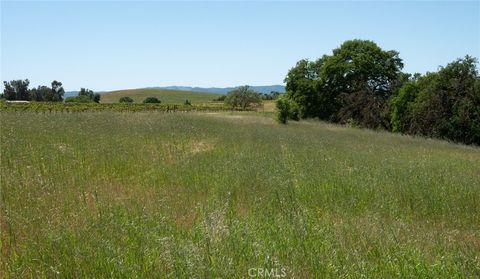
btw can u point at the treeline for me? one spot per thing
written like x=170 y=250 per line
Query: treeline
x=17 y=90
x=362 y=85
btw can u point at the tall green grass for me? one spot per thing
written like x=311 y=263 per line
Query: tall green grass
x=147 y=194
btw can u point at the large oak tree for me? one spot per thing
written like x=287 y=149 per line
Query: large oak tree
x=354 y=83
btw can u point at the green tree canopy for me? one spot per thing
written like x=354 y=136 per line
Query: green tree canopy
x=301 y=87
x=358 y=73
x=359 y=65
x=445 y=104
x=16 y=90
x=40 y=93
x=57 y=92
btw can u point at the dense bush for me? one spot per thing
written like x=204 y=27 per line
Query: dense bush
x=283 y=109
x=126 y=99
x=286 y=109
x=151 y=100
x=445 y=104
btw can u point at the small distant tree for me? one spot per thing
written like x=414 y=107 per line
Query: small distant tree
x=126 y=99
x=151 y=100
x=96 y=98
x=84 y=96
x=87 y=93
x=187 y=103
x=57 y=92
x=243 y=97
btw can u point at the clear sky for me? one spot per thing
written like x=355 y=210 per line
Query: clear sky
x=106 y=45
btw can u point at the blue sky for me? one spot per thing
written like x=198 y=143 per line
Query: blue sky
x=106 y=45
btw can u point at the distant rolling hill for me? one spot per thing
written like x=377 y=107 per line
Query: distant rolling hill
x=223 y=90
x=215 y=90
x=167 y=96
x=70 y=94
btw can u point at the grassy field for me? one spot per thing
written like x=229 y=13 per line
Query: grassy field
x=164 y=95
x=267 y=106
x=222 y=195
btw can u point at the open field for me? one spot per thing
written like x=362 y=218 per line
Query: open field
x=222 y=195
x=164 y=95
x=267 y=106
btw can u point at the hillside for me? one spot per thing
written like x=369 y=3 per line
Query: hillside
x=167 y=96
x=211 y=195
x=223 y=90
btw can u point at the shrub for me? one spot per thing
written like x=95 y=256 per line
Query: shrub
x=283 y=109
x=287 y=109
x=151 y=100
x=187 y=103
x=126 y=99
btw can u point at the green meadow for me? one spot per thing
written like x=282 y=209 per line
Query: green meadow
x=165 y=95
x=231 y=195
